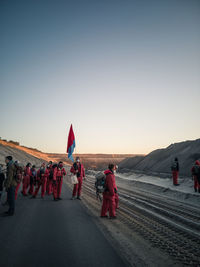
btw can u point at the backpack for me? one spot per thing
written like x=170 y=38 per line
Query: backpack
x=195 y=169
x=100 y=182
x=198 y=174
x=17 y=173
x=51 y=174
x=174 y=166
x=42 y=171
x=33 y=173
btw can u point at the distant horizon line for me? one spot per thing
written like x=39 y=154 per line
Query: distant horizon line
x=89 y=153
x=65 y=153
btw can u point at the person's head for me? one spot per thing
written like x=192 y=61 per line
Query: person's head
x=111 y=167
x=28 y=164
x=50 y=162
x=16 y=162
x=60 y=164
x=8 y=159
x=77 y=159
x=197 y=162
x=176 y=159
x=54 y=165
x=33 y=166
x=43 y=165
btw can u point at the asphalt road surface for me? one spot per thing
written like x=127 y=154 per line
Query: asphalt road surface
x=50 y=233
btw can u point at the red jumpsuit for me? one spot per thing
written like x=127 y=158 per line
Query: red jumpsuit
x=109 y=196
x=26 y=180
x=175 y=177
x=32 y=178
x=175 y=172
x=50 y=181
x=196 y=182
x=77 y=187
x=41 y=182
x=58 y=174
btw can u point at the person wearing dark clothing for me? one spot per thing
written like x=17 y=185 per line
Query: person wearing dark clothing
x=10 y=185
x=32 y=180
x=175 y=171
x=196 y=176
x=2 y=178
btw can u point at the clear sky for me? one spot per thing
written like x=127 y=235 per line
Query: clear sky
x=125 y=73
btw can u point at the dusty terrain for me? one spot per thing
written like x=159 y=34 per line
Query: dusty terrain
x=159 y=161
x=156 y=226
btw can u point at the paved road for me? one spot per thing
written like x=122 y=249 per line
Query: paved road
x=49 y=233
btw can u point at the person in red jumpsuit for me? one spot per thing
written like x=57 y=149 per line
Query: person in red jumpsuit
x=32 y=180
x=19 y=171
x=58 y=180
x=175 y=171
x=78 y=170
x=41 y=179
x=51 y=175
x=195 y=173
x=48 y=187
x=26 y=179
x=54 y=181
x=109 y=203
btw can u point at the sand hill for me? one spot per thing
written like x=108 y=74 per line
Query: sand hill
x=159 y=161
x=34 y=156
x=22 y=154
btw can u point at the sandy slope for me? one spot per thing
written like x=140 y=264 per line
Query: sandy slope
x=25 y=154
x=20 y=153
x=160 y=160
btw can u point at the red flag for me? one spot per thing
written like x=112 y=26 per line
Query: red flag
x=71 y=143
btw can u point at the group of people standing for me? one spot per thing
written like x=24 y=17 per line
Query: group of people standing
x=48 y=178
x=195 y=172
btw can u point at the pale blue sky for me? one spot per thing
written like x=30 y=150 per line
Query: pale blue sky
x=126 y=74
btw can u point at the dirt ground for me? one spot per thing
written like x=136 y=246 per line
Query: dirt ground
x=133 y=247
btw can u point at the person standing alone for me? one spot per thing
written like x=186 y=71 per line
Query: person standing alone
x=175 y=171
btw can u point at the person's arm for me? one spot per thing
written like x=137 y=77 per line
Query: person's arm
x=64 y=172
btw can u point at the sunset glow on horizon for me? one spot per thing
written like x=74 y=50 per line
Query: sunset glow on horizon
x=126 y=74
